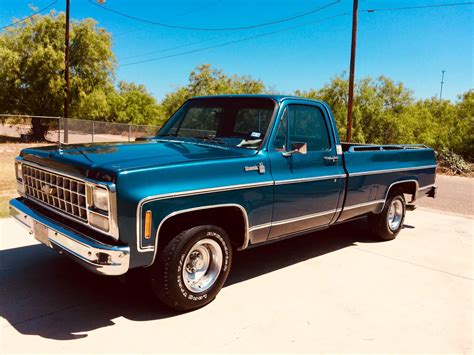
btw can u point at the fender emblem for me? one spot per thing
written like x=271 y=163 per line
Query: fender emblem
x=260 y=168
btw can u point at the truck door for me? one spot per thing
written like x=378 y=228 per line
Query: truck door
x=308 y=184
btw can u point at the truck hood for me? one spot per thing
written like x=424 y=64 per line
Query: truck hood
x=116 y=157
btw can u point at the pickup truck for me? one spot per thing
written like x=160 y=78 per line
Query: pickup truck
x=223 y=174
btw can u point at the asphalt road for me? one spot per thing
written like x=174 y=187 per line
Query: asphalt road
x=333 y=291
x=455 y=194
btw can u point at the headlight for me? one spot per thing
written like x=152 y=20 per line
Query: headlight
x=100 y=198
x=19 y=171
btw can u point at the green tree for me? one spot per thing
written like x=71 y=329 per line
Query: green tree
x=207 y=81
x=465 y=120
x=132 y=103
x=32 y=71
x=32 y=66
x=377 y=104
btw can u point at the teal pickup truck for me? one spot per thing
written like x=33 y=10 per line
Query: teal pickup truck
x=223 y=174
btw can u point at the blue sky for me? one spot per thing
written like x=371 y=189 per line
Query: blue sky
x=410 y=46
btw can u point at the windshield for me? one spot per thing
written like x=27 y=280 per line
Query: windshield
x=239 y=122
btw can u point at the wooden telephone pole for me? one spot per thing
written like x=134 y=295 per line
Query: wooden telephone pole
x=351 y=72
x=66 y=76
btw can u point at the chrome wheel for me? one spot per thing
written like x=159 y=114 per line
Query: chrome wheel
x=395 y=215
x=202 y=265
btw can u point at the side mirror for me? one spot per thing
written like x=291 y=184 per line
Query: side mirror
x=296 y=148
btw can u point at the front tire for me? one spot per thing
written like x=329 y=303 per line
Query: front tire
x=191 y=270
x=387 y=225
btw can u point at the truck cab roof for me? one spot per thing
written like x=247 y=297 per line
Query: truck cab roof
x=277 y=98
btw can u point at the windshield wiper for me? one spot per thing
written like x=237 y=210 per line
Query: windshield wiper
x=211 y=139
x=249 y=143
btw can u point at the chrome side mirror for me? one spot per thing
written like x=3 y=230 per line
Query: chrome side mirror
x=296 y=148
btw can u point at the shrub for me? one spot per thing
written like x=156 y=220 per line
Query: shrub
x=454 y=162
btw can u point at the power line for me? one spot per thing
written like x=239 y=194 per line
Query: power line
x=209 y=39
x=274 y=22
x=170 y=48
x=419 y=7
x=234 y=41
x=199 y=9
x=30 y=16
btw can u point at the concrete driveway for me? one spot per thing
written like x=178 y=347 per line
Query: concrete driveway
x=333 y=291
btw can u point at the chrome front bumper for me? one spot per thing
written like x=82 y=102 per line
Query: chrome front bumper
x=97 y=257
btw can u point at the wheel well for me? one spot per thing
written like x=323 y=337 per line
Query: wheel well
x=406 y=187
x=229 y=218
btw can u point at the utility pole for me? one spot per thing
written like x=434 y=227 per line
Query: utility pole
x=351 y=72
x=66 y=76
x=442 y=83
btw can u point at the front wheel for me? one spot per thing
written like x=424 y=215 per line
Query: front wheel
x=192 y=268
x=389 y=223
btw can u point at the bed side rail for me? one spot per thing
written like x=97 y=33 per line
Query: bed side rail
x=382 y=147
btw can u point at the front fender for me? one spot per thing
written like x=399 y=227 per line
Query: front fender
x=166 y=191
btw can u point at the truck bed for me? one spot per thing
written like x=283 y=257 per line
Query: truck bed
x=372 y=170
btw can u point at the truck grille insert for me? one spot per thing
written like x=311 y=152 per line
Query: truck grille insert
x=58 y=191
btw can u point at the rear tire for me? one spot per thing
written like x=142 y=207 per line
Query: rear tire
x=387 y=224
x=191 y=270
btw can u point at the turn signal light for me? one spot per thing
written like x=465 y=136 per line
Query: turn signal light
x=147 y=224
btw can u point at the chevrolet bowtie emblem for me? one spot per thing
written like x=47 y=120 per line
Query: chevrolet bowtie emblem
x=48 y=190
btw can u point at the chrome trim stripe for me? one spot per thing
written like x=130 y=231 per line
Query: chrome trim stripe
x=292 y=220
x=248 y=229
x=391 y=170
x=351 y=207
x=205 y=191
x=173 y=214
x=184 y=194
x=309 y=179
x=140 y=248
x=301 y=218
x=401 y=182
x=260 y=226
x=312 y=215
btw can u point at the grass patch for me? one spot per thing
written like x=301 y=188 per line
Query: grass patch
x=4 y=199
x=8 y=152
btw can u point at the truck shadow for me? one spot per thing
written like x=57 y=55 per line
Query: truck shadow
x=45 y=294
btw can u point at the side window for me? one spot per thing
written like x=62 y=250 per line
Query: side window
x=280 y=139
x=307 y=125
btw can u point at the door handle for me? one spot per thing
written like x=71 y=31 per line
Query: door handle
x=331 y=160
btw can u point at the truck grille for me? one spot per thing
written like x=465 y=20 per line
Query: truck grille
x=58 y=191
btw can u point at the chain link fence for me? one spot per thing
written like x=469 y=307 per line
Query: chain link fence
x=72 y=130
